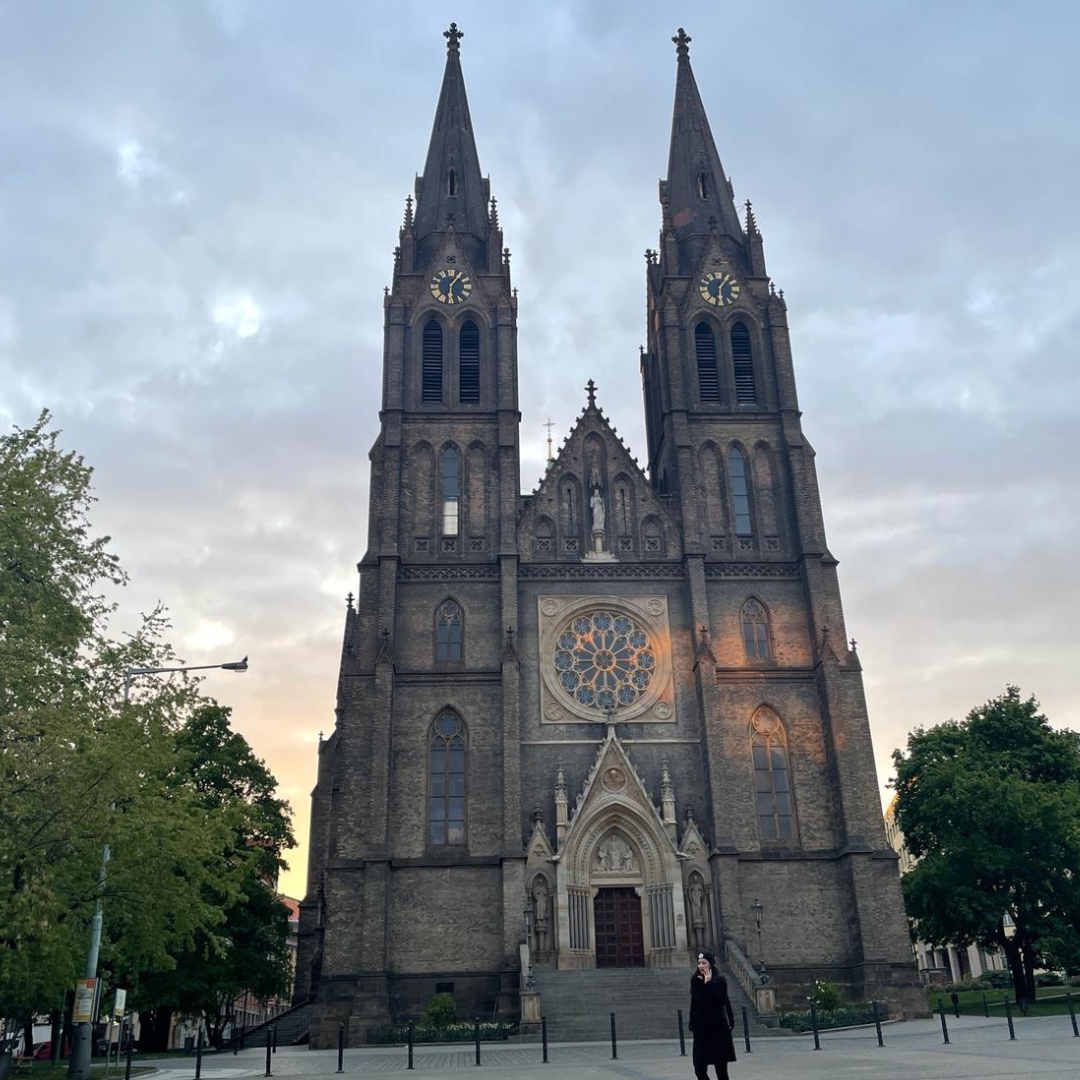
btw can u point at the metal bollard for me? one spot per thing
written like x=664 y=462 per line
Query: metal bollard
x=1008 y=1016
x=198 y=1053
x=543 y=1036
x=614 y=1047
x=410 y=1065
x=746 y=1030
x=341 y=1048
x=986 y=1008
x=476 y=1036
x=275 y=1038
x=877 y=1023
x=1072 y=1015
x=127 y=1066
x=682 y=1037
x=813 y=1024
x=944 y=1025
x=269 y=1042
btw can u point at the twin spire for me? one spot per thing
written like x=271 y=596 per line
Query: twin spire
x=452 y=191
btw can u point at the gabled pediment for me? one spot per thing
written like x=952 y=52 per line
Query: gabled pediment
x=559 y=519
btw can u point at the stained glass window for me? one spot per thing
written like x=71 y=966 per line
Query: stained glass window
x=772 y=785
x=755 y=625
x=448 y=632
x=446 y=781
x=604 y=660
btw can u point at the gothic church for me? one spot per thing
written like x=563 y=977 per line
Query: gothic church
x=607 y=724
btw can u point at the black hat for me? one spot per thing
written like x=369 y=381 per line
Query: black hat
x=707 y=956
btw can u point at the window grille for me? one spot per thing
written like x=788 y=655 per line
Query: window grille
x=431 y=363
x=469 y=364
x=743 y=358
x=705 y=349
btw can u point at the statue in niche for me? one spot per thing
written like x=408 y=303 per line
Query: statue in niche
x=697 y=911
x=540 y=895
x=615 y=856
x=596 y=502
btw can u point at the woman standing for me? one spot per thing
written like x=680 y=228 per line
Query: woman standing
x=711 y=1019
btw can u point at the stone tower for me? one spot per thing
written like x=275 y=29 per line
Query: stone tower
x=613 y=721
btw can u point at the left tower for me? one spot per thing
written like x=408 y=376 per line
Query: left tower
x=416 y=866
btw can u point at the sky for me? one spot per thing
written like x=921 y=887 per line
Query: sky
x=198 y=207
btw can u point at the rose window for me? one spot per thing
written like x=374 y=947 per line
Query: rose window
x=604 y=660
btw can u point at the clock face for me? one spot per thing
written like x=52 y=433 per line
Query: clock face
x=450 y=287
x=719 y=288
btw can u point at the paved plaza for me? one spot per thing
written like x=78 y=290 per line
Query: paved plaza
x=979 y=1049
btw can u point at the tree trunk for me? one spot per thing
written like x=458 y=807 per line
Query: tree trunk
x=28 y=1036
x=1027 y=954
x=154 y=1025
x=55 y=1018
x=1010 y=946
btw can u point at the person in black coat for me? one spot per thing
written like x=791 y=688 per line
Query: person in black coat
x=711 y=1019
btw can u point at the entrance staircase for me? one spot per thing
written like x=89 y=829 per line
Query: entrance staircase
x=578 y=1004
x=292 y=1028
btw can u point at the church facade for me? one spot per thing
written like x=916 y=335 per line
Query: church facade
x=616 y=720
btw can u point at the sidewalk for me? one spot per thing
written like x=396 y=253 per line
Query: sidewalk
x=979 y=1048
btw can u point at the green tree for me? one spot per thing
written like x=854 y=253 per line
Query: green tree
x=79 y=766
x=247 y=952
x=991 y=808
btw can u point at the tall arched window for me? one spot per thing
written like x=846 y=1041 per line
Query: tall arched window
x=772 y=782
x=446 y=781
x=431 y=363
x=450 y=490
x=448 y=632
x=703 y=185
x=755 y=630
x=469 y=364
x=707 y=377
x=740 y=492
x=743 y=359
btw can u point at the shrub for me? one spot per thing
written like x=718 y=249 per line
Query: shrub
x=825 y=996
x=1000 y=980
x=798 y=1020
x=440 y=1011
x=1049 y=978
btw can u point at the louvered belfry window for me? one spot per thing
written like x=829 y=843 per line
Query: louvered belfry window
x=431 y=365
x=708 y=380
x=469 y=364
x=743 y=358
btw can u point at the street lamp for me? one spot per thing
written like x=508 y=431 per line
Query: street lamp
x=79 y=1063
x=757 y=909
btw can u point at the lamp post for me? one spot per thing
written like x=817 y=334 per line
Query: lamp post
x=82 y=1037
x=757 y=909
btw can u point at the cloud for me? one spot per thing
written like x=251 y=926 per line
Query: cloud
x=133 y=165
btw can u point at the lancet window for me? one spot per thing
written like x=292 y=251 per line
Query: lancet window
x=446 y=781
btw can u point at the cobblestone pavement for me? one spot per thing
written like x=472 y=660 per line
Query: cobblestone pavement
x=979 y=1049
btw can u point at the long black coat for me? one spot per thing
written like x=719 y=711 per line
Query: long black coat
x=711 y=1021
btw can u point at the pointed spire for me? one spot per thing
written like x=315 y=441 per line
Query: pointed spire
x=697 y=187
x=452 y=187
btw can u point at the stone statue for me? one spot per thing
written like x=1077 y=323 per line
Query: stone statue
x=697 y=911
x=540 y=914
x=596 y=502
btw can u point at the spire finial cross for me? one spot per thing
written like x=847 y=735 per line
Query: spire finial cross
x=590 y=386
x=549 y=425
x=453 y=38
x=682 y=42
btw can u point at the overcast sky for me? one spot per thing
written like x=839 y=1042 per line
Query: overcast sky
x=198 y=205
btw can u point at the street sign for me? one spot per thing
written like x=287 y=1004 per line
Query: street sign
x=83 y=1013
x=119 y=1001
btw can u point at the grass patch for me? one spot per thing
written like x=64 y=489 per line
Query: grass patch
x=1050 y=1001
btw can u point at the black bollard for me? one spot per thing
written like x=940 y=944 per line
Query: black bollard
x=127 y=1066
x=944 y=1025
x=1072 y=1015
x=813 y=1024
x=746 y=1030
x=1008 y=1016
x=269 y=1041
x=614 y=1047
x=955 y=997
x=476 y=1036
x=877 y=1023
x=341 y=1048
x=682 y=1037
x=198 y=1053
x=410 y=1065
x=986 y=1008
x=275 y=1038
x=543 y=1036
